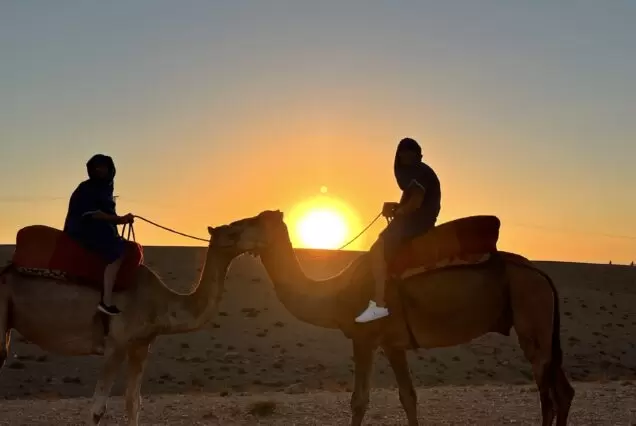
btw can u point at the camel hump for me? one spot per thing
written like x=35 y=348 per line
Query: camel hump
x=47 y=251
x=467 y=240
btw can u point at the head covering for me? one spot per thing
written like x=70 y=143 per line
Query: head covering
x=409 y=144
x=101 y=159
x=404 y=174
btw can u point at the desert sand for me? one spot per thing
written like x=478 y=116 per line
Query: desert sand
x=256 y=364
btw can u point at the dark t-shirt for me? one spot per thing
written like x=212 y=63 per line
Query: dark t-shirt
x=89 y=198
x=425 y=177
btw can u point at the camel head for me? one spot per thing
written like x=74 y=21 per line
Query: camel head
x=249 y=235
x=245 y=235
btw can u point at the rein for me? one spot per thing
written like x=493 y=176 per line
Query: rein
x=174 y=231
x=131 y=231
x=361 y=232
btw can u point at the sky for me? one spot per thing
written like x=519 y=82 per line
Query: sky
x=215 y=111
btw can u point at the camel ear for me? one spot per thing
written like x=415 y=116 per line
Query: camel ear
x=210 y=230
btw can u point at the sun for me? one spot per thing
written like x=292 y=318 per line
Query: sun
x=322 y=228
x=322 y=222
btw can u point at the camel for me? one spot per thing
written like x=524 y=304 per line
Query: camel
x=442 y=307
x=61 y=317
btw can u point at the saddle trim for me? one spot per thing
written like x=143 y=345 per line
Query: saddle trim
x=465 y=260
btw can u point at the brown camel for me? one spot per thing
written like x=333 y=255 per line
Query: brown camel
x=446 y=306
x=60 y=317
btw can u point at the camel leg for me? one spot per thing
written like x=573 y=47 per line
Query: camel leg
x=536 y=320
x=4 y=346
x=5 y=331
x=113 y=359
x=5 y=343
x=408 y=396
x=363 y=359
x=533 y=308
x=137 y=357
x=563 y=394
x=540 y=360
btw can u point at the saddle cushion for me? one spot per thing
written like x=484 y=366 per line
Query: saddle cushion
x=467 y=240
x=43 y=250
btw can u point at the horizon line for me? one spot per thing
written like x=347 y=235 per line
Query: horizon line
x=332 y=251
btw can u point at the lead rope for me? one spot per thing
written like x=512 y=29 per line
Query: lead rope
x=131 y=232
x=174 y=231
x=362 y=232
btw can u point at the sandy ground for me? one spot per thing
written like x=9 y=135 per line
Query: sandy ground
x=255 y=346
x=608 y=404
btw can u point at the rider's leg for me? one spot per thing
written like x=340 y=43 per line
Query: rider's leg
x=110 y=276
x=386 y=243
x=378 y=269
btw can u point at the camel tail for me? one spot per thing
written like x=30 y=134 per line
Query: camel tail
x=557 y=352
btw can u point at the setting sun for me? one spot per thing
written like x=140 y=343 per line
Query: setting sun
x=322 y=229
x=322 y=222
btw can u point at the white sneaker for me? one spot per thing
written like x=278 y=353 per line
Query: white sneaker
x=373 y=312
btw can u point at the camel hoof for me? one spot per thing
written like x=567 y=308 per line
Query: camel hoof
x=97 y=417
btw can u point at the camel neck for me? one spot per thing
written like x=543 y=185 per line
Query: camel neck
x=192 y=311
x=310 y=301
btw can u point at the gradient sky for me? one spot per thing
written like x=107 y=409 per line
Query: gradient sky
x=215 y=111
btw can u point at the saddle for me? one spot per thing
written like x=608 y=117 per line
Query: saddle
x=49 y=252
x=465 y=241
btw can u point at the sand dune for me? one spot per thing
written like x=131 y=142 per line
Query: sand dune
x=254 y=345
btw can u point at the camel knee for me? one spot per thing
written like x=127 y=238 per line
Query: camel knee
x=133 y=404
x=408 y=397
x=563 y=390
x=359 y=402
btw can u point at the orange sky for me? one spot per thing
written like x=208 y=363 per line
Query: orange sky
x=248 y=182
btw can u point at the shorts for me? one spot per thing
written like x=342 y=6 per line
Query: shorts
x=403 y=229
x=109 y=249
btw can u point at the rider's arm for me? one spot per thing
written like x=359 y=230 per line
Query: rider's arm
x=87 y=204
x=415 y=193
x=415 y=199
x=100 y=215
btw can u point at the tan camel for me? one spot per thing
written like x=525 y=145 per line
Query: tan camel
x=60 y=317
x=443 y=307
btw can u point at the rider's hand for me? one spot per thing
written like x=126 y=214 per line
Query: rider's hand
x=127 y=219
x=388 y=210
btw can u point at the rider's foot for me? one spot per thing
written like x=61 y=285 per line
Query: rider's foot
x=108 y=310
x=372 y=312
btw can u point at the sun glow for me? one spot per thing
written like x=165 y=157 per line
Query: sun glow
x=322 y=222
x=322 y=229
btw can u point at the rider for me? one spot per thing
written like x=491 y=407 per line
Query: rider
x=92 y=221
x=415 y=214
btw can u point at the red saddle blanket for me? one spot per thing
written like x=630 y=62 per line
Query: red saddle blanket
x=466 y=240
x=40 y=249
